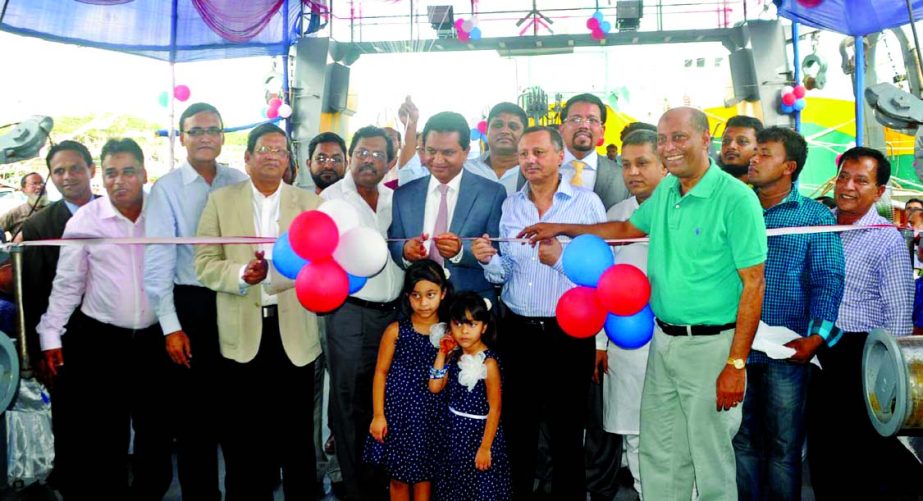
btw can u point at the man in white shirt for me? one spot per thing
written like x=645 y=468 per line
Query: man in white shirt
x=268 y=341
x=354 y=330
x=114 y=351
x=642 y=171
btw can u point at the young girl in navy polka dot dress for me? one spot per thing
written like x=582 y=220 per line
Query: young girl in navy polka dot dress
x=476 y=466
x=403 y=434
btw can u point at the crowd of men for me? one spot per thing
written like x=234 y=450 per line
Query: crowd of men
x=196 y=346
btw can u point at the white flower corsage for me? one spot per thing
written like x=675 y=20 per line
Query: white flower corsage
x=471 y=369
x=437 y=332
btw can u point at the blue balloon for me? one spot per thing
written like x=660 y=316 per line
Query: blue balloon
x=605 y=26
x=787 y=109
x=475 y=33
x=633 y=331
x=475 y=134
x=598 y=15
x=356 y=283
x=284 y=258
x=799 y=104
x=585 y=259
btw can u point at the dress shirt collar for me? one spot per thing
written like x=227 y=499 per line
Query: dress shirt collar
x=108 y=211
x=590 y=160
x=454 y=184
x=259 y=196
x=793 y=198
x=870 y=217
x=707 y=185
x=72 y=207
x=564 y=190
x=189 y=173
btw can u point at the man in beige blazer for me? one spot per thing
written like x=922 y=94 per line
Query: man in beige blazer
x=268 y=341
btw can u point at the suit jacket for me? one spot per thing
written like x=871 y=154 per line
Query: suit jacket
x=477 y=211
x=610 y=185
x=39 y=265
x=229 y=212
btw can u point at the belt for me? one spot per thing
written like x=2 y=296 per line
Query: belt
x=389 y=306
x=693 y=330
x=465 y=414
x=271 y=311
x=540 y=322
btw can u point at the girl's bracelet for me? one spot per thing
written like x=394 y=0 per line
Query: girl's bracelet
x=435 y=373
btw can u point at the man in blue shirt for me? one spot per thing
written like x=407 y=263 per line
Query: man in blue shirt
x=804 y=287
x=185 y=309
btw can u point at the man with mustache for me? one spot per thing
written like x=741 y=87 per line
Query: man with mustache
x=583 y=125
x=326 y=160
x=114 y=350
x=185 y=309
x=738 y=145
x=32 y=186
x=354 y=330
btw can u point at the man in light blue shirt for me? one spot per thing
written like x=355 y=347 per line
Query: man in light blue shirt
x=500 y=164
x=186 y=310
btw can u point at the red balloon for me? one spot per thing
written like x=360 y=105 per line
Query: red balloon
x=788 y=99
x=322 y=286
x=482 y=127
x=313 y=235
x=579 y=312
x=809 y=3
x=799 y=91
x=598 y=34
x=623 y=289
x=592 y=23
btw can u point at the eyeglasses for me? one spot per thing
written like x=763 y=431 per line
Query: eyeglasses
x=323 y=159
x=265 y=150
x=198 y=131
x=365 y=154
x=578 y=121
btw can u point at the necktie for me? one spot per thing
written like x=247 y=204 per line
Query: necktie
x=442 y=223
x=577 y=180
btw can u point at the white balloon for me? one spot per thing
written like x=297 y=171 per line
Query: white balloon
x=362 y=252
x=285 y=111
x=474 y=22
x=343 y=214
x=467 y=25
x=788 y=89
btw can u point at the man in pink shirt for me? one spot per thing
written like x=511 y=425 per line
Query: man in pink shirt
x=114 y=352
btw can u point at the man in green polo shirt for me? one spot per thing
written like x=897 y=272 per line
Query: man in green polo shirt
x=705 y=263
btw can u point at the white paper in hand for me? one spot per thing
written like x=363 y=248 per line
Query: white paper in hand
x=771 y=339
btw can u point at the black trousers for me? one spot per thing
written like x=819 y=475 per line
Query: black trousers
x=269 y=412
x=847 y=457
x=194 y=391
x=545 y=370
x=115 y=379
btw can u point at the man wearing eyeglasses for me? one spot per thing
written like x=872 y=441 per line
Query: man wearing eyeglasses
x=326 y=160
x=184 y=308
x=583 y=125
x=268 y=341
x=354 y=330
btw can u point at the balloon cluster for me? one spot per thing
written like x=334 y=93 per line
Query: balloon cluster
x=328 y=255
x=180 y=93
x=598 y=27
x=467 y=29
x=792 y=98
x=479 y=132
x=608 y=295
x=277 y=108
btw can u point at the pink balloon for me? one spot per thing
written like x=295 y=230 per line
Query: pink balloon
x=809 y=3
x=322 y=286
x=579 y=313
x=623 y=289
x=799 y=91
x=482 y=127
x=598 y=34
x=181 y=92
x=463 y=36
x=789 y=99
x=458 y=24
x=838 y=157
x=313 y=235
x=275 y=103
x=272 y=112
x=592 y=23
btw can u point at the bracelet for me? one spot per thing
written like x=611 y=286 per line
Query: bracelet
x=435 y=373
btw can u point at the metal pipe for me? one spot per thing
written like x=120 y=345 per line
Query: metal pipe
x=173 y=27
x=916 y=39
x=797 y=57
x=25 y=366
x=860 y=90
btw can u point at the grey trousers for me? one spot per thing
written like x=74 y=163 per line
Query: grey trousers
x=326 y=465
x=353 y=335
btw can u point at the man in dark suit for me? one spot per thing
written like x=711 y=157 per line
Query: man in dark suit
x=583 y=125
x=435 y=212
x=72 y=168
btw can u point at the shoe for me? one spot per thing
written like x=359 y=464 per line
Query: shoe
x=330 y=447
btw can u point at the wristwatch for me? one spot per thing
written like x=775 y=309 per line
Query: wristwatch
x=737 y=363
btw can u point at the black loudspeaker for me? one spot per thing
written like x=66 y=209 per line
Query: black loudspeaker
x=743 y=73
x=337 y=88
